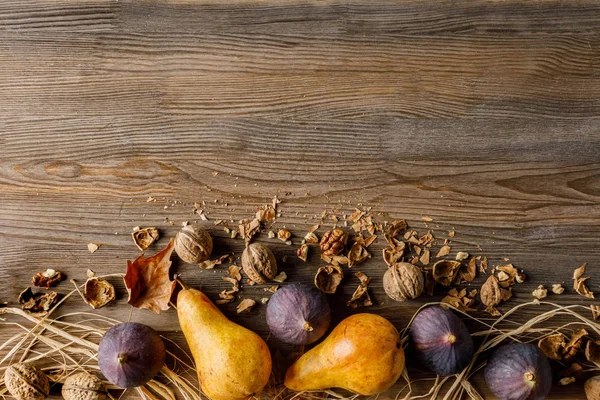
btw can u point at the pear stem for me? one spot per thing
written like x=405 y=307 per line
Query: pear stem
x=183 y=285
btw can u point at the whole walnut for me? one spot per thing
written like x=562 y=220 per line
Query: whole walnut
x=193 y=244
x=259 y=263
x=403 y=281
x=83 y=386
x=333 y=242
x=26 y=382
x=592 y=388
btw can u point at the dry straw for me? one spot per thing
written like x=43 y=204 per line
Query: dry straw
x=68 y=344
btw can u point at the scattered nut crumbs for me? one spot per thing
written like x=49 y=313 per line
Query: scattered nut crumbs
x=462 y=255
x=92 y=247
x=245 y=306
x=361 y=297
x=47 y=279
x=557 y=288
x=271 y=234
x=579 y=282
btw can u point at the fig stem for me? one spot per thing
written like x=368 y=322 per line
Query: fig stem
x=451 y=338
x=307 y=326
x=122 y=358
x=529 y=376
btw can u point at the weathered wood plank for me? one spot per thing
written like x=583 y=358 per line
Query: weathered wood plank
x=482 y=115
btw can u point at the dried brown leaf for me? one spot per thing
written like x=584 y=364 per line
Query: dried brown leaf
x=144 y=237
x=245 y=306
x=147 y=281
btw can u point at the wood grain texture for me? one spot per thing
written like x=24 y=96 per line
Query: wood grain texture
x=484 y=116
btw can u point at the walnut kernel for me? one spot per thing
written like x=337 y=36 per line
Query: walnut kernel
x=259 y=263
x=333 y=242
x=193 y=244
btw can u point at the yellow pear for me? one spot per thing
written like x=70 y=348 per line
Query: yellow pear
x=232 y=362
x=362 y=354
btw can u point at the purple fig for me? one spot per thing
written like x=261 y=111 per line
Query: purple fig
x=519 y=371
x=130 y=354
x=298 y=314
x=442 y=341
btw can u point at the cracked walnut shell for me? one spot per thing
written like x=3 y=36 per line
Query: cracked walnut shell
x=333 y=242
x=403 y=281
x=26 y=382
x=328 y=278
x=259 y=263
x=193 y=244
x=83 y=386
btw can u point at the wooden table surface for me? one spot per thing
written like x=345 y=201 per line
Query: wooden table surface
x=483 y=115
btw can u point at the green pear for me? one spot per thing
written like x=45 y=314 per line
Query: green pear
x=362 y=354
x=233 y=363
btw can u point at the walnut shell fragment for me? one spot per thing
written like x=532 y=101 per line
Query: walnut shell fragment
x=26 y=382
x=592 y=351
x=403 y=281
x=490 y=293
x=575 y=344
x=47 y=279
x=333 y=242
x=592 y=388
x=83 y=386
x=553 y=346
x=392 y=255
x=328 y=278
x=143 y=238
x=259 y=263
x=39 y=303
x=361 y=297
x=358 y=253
x=98 y=292
x=445 y=271
x=193 y=244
